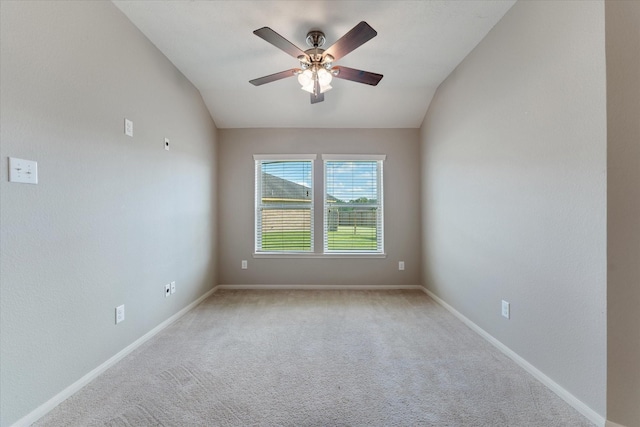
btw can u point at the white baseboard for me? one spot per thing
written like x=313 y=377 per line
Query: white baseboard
x=612 y=424
x=323 y=287
x=589 y=413
x=46 y=407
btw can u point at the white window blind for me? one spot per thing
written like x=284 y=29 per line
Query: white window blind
x=353 y=204
x=284 y=204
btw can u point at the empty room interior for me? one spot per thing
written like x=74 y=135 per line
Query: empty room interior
x=320 y=213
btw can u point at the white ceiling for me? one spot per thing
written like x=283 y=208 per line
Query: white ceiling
x=418 y=44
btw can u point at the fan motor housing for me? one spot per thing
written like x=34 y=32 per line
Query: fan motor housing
x=315 y=55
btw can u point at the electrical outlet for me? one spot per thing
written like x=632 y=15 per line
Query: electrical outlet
x=128 y=127
x=401 y=265
x=173 y=287
x=167 y=290
x=166 y=144
x=244 y=264
x=119 y=313
x=506 y=309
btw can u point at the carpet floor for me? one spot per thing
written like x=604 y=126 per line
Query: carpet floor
x=315 y=358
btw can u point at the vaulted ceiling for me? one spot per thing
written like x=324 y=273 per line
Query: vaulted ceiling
x=419 y=43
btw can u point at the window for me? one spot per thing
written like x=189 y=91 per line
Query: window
x=353 y=205
x=284 y=203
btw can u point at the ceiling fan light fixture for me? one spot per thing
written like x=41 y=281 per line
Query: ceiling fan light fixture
x=324 y=77
x=325 y=88
x=305 y=78
x=308 y=88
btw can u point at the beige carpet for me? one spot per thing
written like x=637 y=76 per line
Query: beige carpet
x=316 y=358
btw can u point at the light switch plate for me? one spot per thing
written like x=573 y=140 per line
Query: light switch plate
x=24 y=171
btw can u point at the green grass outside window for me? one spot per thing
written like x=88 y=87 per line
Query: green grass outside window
x=346 y=238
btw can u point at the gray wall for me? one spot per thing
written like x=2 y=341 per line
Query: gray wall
x=623 y=213
x=514 y=190
x=236 y=206
x=113 y=218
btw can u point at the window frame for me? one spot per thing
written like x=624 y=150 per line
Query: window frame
x=379 y=205
x=259 y=159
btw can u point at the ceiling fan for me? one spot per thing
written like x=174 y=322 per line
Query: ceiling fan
x=316 y=65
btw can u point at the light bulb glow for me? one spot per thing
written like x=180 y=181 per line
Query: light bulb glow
x=305 y=78
x=324 y=77
x=308 y=78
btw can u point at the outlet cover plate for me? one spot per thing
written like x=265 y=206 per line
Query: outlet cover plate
x=173 y=287
x=506 y=309
x=128 y=127
x=119 y=313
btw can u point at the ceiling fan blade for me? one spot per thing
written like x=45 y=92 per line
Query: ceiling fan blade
x=273 y=77
x=357 y=36
x=280 y=42
x=357 y=75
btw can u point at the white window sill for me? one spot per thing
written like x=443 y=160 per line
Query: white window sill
x=317 y=256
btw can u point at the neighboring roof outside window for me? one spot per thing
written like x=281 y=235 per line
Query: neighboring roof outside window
x=276 y=189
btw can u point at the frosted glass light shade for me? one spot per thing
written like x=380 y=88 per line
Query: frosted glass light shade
x=305 y=78
x=325 y=88
x=324 y=77
x=308 y=87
